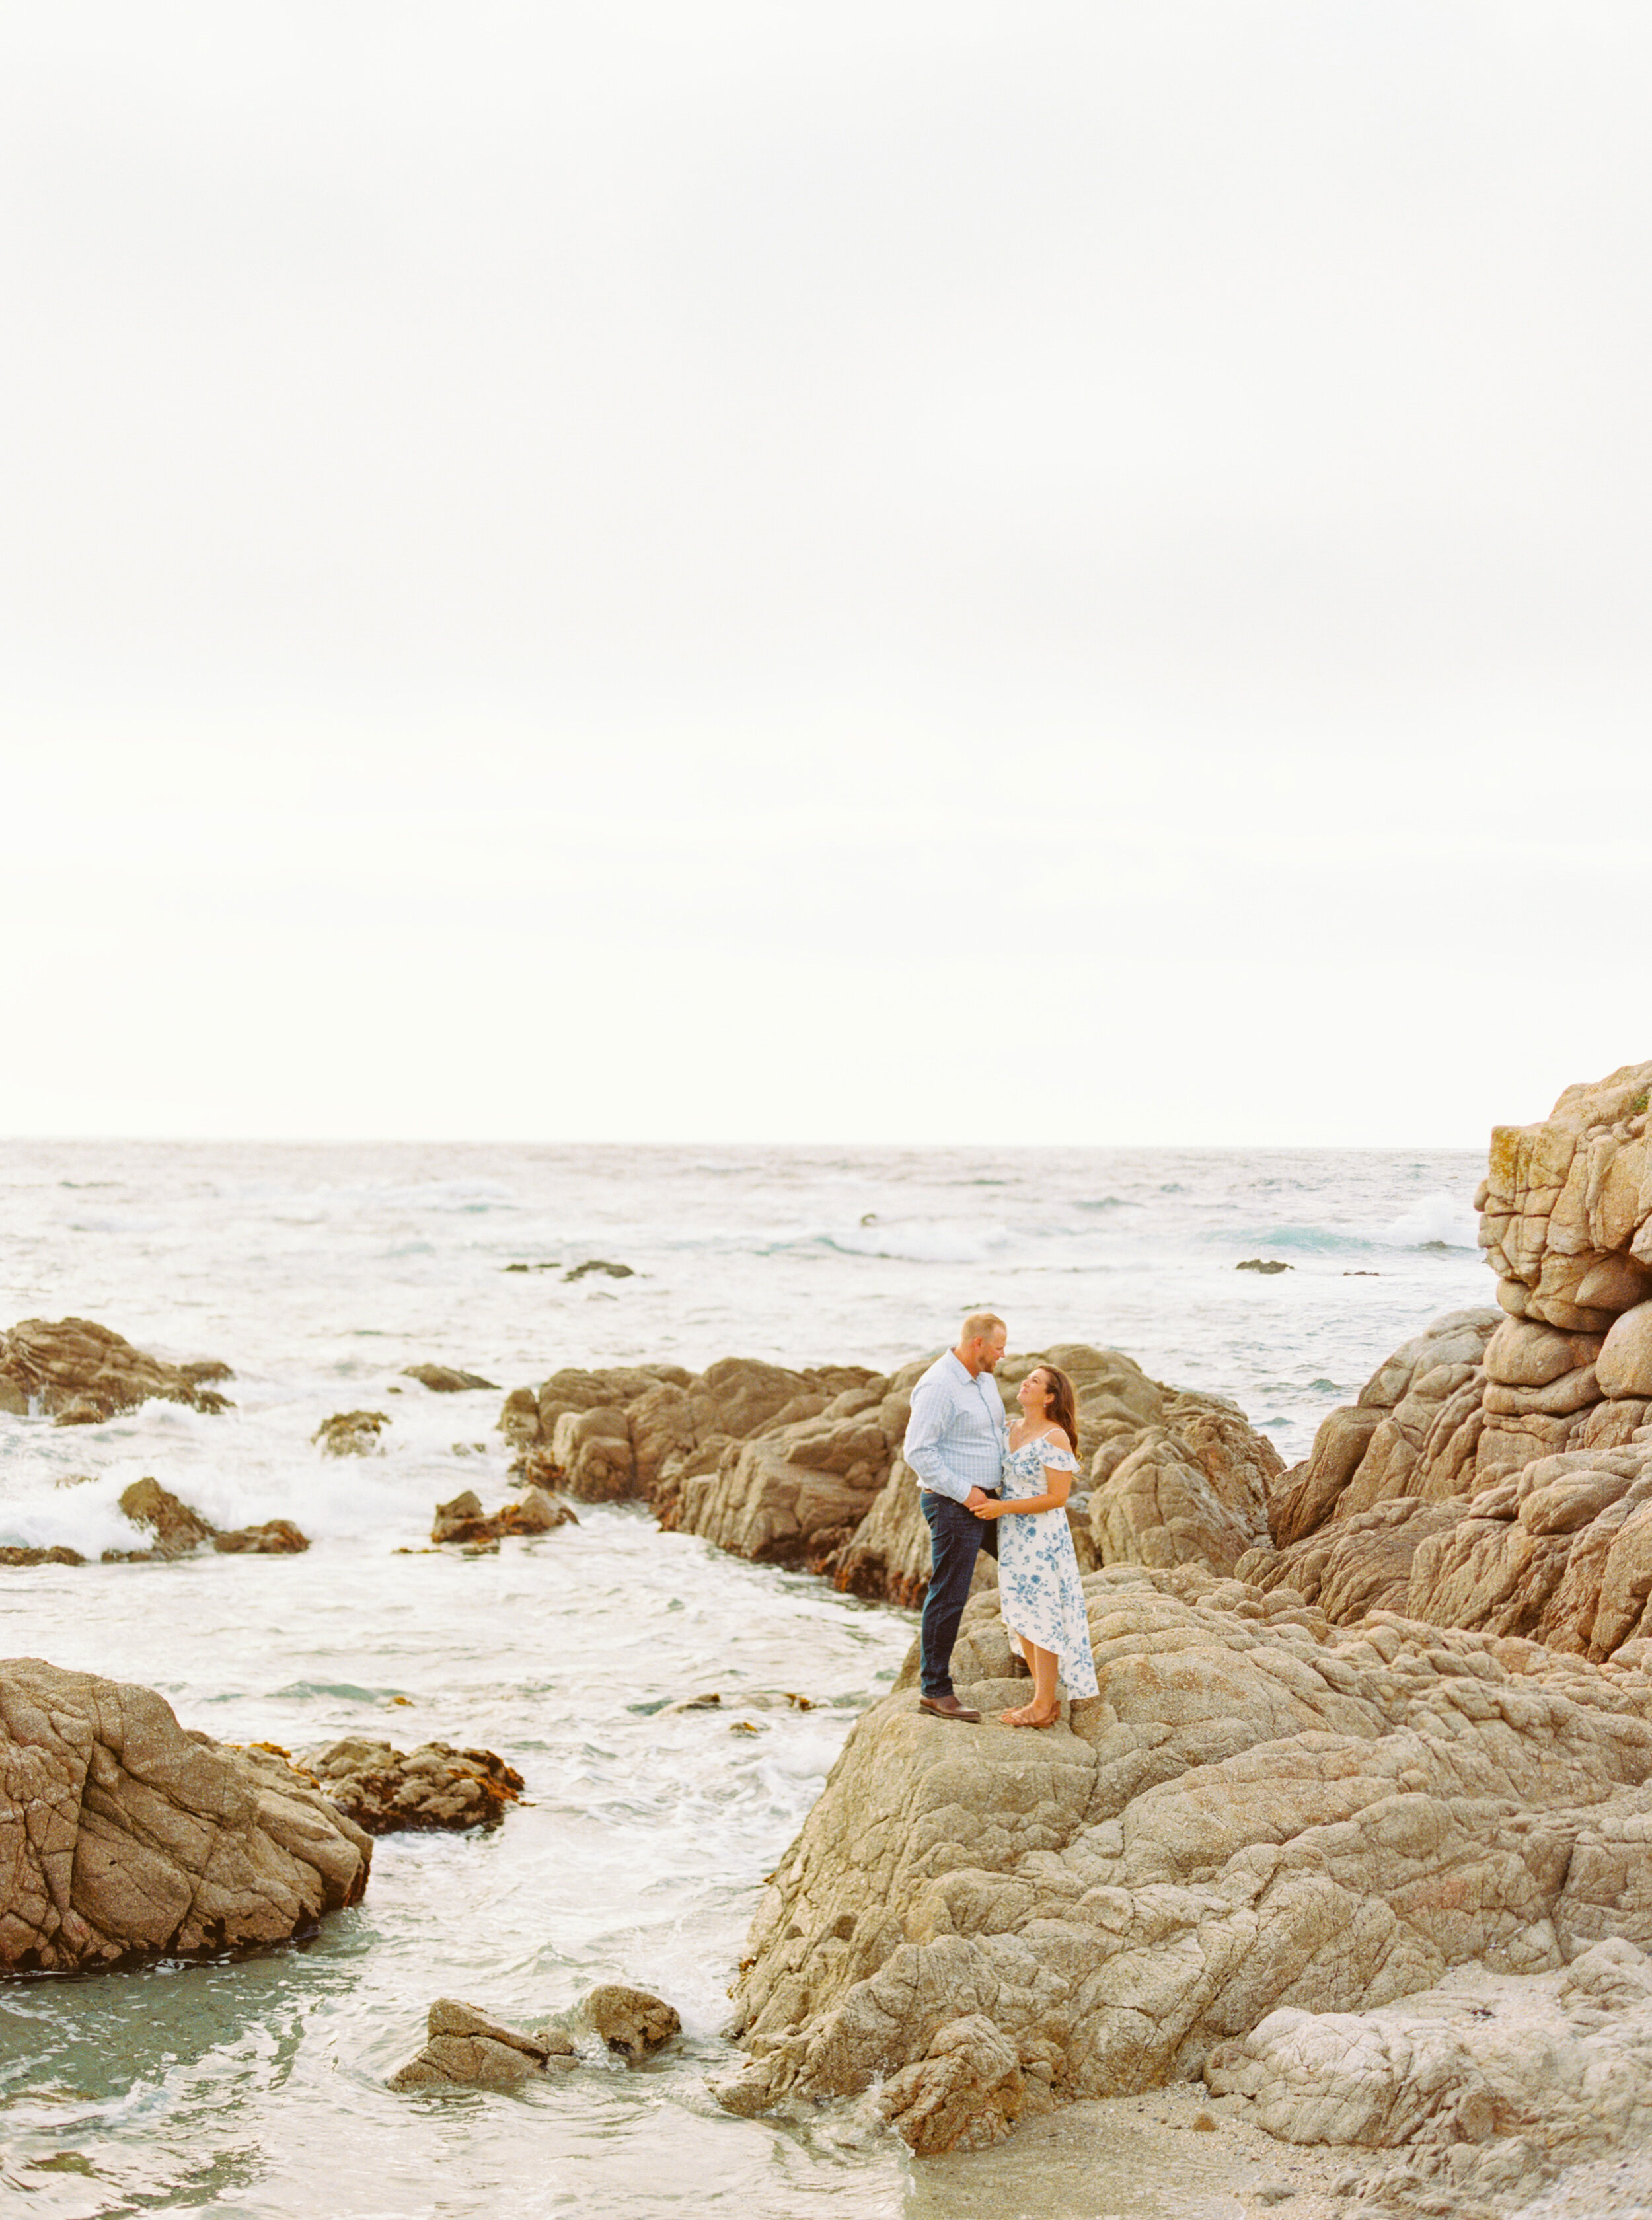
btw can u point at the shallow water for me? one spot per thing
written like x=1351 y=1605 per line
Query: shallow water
x=318 y=1273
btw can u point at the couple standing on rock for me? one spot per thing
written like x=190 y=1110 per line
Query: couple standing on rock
x=975 y=1471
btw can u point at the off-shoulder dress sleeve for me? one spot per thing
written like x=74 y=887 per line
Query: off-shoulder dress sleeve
x=1057 y=1459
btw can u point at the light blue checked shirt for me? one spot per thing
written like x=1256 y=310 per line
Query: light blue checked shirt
x=954 y=1439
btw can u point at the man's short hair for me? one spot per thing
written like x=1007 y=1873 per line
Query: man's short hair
x=980 y=1325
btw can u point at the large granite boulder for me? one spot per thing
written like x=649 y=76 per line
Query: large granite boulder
x=647 y=1430
x=81 y=1373
x=466 y=2049
x=1565 y=1206
x=1257 y=1813
x=124 y=1838
x=1493 y=1471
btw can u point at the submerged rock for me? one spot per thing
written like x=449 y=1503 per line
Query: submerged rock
x=434 y=1787
x=465 y=1520
x=351 y=1433
x=82 y=1374
x=1264 y=1264
x=467 y=2049
x=443 y=1380
x=600 y=1264
x=123 y=1838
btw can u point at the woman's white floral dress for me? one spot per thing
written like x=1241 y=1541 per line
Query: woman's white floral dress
x=1037 y=1573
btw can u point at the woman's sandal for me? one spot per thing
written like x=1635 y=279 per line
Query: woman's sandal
x=1018 y=1718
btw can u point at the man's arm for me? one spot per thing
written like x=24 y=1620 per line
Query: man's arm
x=931 y=1409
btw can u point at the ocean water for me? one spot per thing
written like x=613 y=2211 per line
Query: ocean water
x=318 y=1272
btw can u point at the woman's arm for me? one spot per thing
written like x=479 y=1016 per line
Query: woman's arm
x=1057 y=1488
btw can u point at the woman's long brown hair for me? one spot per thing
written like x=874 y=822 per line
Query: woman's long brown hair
x=1061 y=1403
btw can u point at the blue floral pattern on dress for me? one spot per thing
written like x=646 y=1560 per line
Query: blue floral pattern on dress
x=1038 y=1585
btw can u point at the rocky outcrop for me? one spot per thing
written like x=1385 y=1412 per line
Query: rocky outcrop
x=351 y=1433
x=804 y=1467
x=80 y=1373
x=1172 y=1478
x=123 y=1838
x=1496 y=1472
x=179 y=1531
x=1258 y=1813
x=432 y=1788
x=467 y=2049
x=465 y=1520
x=444 y=1379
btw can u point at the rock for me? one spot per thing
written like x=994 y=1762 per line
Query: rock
x=390 y=1792
x=58 y=1554
x=463 y=1520
x=276 y=1537
x=599 y=1264
x=177 y=1529
x=632 y=2023
x=1624 y=1367
x=965 y=2094
x=443 y=1380
x=592 y=1449
x=84 y=1373
x=1257 y=1812
x=1482 y=2055
x=1566 y=1208
x=1194 y=1489
x=123 y=1839
x=466 y=2049
x=1263 y=1264
x=519 y=1422
x=351 y=1433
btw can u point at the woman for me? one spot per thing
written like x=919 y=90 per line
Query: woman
x=1037 y=1571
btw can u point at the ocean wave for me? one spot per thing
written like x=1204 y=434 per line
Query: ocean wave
x=917 y=1241
x=1438 y=1220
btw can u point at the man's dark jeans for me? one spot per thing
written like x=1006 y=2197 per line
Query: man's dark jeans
x=956 y=1538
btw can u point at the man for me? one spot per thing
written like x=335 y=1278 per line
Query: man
x=955 y=1443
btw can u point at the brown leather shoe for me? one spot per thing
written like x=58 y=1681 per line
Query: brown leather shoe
x=948 y=1707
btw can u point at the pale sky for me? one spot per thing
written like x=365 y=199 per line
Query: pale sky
x=920 y=572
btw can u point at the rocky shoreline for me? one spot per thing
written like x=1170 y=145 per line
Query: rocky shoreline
x=1354 y=1838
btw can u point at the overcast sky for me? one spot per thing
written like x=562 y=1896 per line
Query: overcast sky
x=916 y=571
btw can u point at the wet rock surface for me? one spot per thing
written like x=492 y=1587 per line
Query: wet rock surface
x=435 y=1787
x=179 y=1531
x=81 y=1373
x=124 y=1838
x=351 y=1433
x=629 y=2022
x=463 y=1519
x=445 y=1379
x=466 y=2049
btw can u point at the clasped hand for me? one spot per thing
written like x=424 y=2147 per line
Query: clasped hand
x=983 y=1506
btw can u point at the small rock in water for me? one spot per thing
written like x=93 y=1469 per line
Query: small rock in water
x=631 y=2022
x=445 y=1379
x=463 y=1520
x=1264 y=1264
x=466 y=2049
x=276 y=1537
x=179 y=1530
x=351 y=1433
x=389 y=1791
x=599 y=1264
x=58 y=1554
x=82 y=1372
